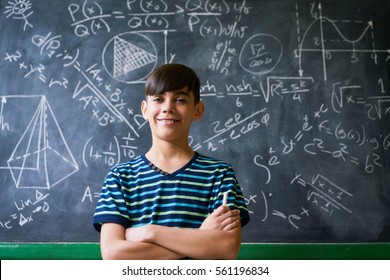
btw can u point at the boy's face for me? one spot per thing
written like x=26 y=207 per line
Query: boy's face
x=171 y=113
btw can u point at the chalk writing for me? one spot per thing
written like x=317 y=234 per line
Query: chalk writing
x=20 y=9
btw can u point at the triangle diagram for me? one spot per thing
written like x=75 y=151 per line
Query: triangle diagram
x=128 y=57
x=41 y=158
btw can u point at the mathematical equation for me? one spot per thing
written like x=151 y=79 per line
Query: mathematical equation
x=26 y=210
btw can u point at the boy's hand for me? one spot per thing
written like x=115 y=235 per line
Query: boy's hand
x=222 y=219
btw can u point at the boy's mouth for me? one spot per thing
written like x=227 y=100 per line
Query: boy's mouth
x=167 y=121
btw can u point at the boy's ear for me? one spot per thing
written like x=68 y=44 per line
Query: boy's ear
x=199 y=110
x=144 y=107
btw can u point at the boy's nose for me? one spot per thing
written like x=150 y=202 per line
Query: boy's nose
x=168 y=107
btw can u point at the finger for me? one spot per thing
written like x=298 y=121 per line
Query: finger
x=231 y=224
x=231 y=213
x=235 y=212
x=221 y=210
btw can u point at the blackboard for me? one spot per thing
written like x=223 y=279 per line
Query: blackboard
x=297 y=99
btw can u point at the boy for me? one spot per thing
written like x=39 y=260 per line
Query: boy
x=167 y=204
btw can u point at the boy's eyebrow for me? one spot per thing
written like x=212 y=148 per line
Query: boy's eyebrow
x=177 y=92
x=181 y=92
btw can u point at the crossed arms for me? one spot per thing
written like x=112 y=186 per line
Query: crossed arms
x=219 y=237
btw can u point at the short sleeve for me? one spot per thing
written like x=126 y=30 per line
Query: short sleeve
x=111 y=207
x=236 y=198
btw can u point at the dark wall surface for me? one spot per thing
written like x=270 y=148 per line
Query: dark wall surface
x=296 y=93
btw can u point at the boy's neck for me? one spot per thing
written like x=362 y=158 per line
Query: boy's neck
x=169 y=152
x=169 y=158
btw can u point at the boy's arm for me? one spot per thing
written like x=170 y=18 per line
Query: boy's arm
x=219 y=237
x=113 y=245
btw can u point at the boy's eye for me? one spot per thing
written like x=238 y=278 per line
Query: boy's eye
x=181 y=100
x=157 y=99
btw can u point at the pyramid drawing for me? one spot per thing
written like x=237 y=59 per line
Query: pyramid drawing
x=128 y=57
x=41 y=158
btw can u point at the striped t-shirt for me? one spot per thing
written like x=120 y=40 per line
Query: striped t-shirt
x=135 y=193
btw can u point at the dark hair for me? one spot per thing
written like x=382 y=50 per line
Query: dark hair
x=169 y=77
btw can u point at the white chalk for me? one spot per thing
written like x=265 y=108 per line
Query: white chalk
x=225 y=198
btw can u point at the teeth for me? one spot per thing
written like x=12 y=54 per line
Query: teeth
x=168 y=121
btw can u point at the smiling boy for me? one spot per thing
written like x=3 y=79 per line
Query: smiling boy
x=167 y=203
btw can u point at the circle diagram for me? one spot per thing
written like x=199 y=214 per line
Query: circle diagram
x=129 y=57
x=260 y=54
